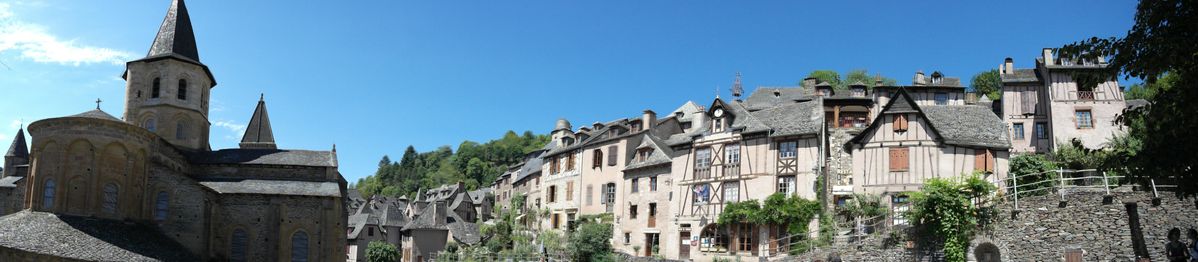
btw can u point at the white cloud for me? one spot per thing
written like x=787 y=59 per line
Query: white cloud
x=14 y=124
x=234 y=129
x=33 y=42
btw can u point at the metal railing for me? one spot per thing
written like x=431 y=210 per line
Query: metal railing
x=1067 y=181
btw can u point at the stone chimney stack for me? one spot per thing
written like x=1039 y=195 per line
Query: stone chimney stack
x=648 y=119
x=1048 y=56
x=808 y=82
x=919 y=79
x=439 y=210
x=1008 y=66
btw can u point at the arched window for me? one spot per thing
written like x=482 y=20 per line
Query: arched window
x=714 y=239
x=151 y=124
x=181 y=130
x=48 y=194
x=161 y=204
x=597 y=158
x=111 y=193
x=238 y=245
x=156 y=89
x=299 y=247
x=182 y=89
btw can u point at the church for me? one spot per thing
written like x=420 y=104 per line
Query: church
x=147 y=186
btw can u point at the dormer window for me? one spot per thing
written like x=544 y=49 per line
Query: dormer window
x=717 y=123
x=777 y=93
x=858 y=91
x=643 y=154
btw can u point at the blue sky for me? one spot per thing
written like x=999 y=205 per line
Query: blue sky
x=376 y=76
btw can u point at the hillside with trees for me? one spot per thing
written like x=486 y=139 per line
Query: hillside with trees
x=477 y=165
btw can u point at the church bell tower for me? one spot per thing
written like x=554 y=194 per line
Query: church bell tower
x=167 y=92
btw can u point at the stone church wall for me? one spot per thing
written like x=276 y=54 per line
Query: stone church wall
x=186 y=219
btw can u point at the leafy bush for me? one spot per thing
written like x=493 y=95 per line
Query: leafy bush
x=1029 y=170
x=953 y=210
x=380 y=251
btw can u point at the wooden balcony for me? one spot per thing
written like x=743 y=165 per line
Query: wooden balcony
x=1085 y=95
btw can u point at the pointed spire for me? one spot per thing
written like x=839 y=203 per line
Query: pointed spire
x=175 y=36
x=18 y=148
x=258 y=134
x=737 y=90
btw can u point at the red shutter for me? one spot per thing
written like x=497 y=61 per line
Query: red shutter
x=898 y=159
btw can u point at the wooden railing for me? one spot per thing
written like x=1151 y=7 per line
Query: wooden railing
x=1085 y=95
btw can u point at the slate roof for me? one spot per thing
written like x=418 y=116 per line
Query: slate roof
x=1020 y=76
x=968 y=125
x=1136 y=103
x=427 y=220
x=284 y=157
x=661 y=153
x=793 y=119
x=87 y=239
x=686 y=137
x=465 y=232
x=175 y=36
x=258 y=133
x=275 y=187
x=10 y=181
x=767 y=97
x=18 y=148
x=688 y=109
x=478 y=195
x=97 y=114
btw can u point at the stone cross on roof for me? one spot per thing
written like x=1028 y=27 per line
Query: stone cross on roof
x=98 y=101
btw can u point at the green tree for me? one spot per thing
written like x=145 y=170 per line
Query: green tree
x=1074 y=155
x=826 y=76
x=988 y=83
x=953 y=209
x=590 y=241
x=381 y=251
x=860 y=75
x=1157 y=44
x=1031 y=171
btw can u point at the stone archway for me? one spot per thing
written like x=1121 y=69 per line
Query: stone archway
x=987 y=252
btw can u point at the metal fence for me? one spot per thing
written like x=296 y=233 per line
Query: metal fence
x=1068 y=181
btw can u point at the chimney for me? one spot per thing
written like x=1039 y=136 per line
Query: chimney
x=439 y=212
x=808 y=82
x=919 y=79
x=648 y=119
x=597 y=125
x=700 y=119
x=1008 y=66
x=971 y=98
x=1048 y=56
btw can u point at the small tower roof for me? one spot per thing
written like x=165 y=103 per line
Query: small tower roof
x=18 y=147
x=175 y=36
x=258 y=134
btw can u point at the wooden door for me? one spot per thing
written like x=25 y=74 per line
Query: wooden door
x=1073 y=256
x=684 y=247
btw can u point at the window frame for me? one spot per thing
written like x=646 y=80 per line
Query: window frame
x=111 y=199
x=786 y=185
x=182 y=90
x=732 y=153
x=49 y=193
x=633 y=185
x=730 y=191
x=1078 y=119
x=297 y=237
x=1017 y=131
x=940 y=98
x=1041 y=130
x=788 y=152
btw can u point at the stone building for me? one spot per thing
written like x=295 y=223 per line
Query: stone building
x=379 y=219
x=148 y=186
x=1044 y=106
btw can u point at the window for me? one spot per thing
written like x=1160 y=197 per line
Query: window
x=161 y=203
x=788 y=149
x=941 y=98
x=1017 y=131
x=238 y=245
x=299 y=247
x=717 y=125
x=899 y=206
x=900 y=123
x=1083 y=119
x=151 y=124
x=685 y=126
x=182 y=89
x=632 y=212
x=786 y=185
x=553 y=165
x=714 y=239
x=48 y=194
x=370 y=231
x=731 y=192
x=612 y=155
x=732 y=153
x=557 y=220
x=1040 y=132
x=653 y=183
x=652 y=210
x=643 y=154
x=570 y=162
x=569 y=190
x=155 y=90
x=745 y=237
x=898 y=159
x=627 y=238
x=181 y=130
x=983 y=160
x=703 y=163
x=590 y=192
x=597 y=159
x=552 y=194
x=609 y=196
x=110 y=198
x=634 y=186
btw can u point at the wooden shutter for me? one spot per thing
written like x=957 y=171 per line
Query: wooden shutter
x=569 y=190
x=612 y=155
x=899 y=122
x=597 y=159
x=898 y=159
x=1028 y=102
x=990 y=161
x=983 y=160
